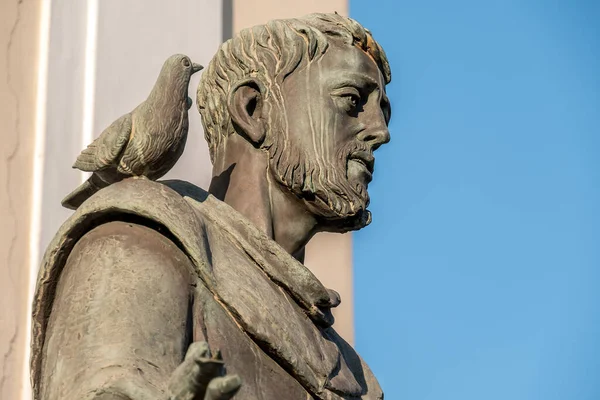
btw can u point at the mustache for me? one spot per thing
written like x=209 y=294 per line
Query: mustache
x=352 y=148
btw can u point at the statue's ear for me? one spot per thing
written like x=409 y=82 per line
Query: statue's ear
x=245 y=107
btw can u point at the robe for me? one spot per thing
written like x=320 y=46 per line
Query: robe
x=267 y=313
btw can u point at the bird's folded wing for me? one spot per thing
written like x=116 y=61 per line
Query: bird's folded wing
x=105 y=150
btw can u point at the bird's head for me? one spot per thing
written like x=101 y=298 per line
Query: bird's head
x=180 y=63
x=176 y=72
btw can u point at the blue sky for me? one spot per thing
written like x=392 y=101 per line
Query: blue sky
x=479 y=277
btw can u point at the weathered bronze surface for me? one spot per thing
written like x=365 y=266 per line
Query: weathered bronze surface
x=146 y=280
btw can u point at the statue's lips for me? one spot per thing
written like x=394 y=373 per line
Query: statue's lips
x=365 y=159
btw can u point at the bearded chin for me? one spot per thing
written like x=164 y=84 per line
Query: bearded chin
x=325 y=188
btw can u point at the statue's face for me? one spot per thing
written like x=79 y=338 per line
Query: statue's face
x=337 y=114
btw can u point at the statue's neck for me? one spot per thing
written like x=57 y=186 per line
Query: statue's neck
x=246 y=184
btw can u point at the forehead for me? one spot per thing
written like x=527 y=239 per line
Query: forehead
x=342 y=59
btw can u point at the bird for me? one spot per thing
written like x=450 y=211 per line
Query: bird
x=144 y=143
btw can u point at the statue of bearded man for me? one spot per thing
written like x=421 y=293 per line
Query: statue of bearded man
x=143 y=271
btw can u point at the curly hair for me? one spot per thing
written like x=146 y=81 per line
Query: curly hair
x=271 y=52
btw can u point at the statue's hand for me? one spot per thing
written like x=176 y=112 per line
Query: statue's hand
x=200 y=376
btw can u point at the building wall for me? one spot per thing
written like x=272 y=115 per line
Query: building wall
x=73 y=67
x=19 y=28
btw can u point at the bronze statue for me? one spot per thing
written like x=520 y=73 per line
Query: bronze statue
x=146 y=272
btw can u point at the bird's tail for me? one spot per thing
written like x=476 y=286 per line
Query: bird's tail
x=83 y=192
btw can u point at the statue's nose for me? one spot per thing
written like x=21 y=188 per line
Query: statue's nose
x=375 y=137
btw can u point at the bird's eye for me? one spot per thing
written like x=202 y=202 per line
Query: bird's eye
x=186 y=62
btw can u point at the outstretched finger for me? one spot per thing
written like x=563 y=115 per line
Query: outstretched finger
x=223 y=388
x=197 y=351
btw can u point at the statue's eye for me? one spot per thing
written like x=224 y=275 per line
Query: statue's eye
x=352 y=100
x=186 y=62
x=348 y=99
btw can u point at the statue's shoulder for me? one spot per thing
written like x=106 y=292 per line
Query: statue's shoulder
x=161 y=205
x=160 y=201
x=140 y=201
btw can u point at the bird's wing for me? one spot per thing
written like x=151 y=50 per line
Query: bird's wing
x=105 y=150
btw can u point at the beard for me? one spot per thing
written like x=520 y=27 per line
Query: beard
x=323 y=184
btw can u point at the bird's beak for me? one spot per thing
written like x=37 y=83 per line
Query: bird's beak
x=196 y=68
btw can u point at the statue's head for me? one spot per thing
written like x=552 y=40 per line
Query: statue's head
x=310 y=93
